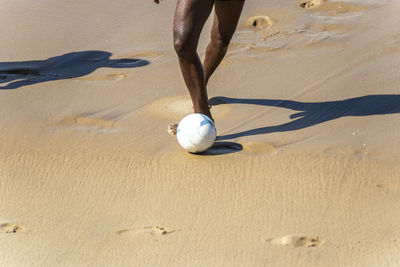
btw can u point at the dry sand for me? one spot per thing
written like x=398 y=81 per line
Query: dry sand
x=306 y=172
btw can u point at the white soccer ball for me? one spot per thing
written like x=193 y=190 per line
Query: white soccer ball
x=196 y=132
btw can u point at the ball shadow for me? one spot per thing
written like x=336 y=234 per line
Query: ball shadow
x=222 y=148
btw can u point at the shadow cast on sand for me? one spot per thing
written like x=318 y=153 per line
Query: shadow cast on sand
x=67 y=66
x=312 y=113
x=222 y=148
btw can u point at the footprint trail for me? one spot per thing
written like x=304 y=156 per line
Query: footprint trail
x=10 y=228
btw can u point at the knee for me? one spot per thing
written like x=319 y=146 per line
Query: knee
x=183 y=45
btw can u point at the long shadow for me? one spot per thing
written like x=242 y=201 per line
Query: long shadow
x=312 y=113
x=67 y=66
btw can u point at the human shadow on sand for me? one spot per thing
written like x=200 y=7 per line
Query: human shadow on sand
x=67 y=66
x=312 y=113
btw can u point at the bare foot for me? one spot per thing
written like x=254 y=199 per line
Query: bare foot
x=172 y=128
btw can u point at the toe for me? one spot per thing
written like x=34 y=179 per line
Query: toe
x=172 y=128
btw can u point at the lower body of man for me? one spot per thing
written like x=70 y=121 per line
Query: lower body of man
x=190 y=17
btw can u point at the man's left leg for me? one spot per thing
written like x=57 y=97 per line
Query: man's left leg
x=226 y=18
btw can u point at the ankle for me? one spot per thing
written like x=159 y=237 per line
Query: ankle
x=204 y=110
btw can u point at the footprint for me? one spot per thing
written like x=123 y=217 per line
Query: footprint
x=311 y=3
x=259 y=148
x=297 y=241
x=175 y=108
x=104 y=123
x=150 y=230
x=259 y=22
x=334 y=8
x=10 y=228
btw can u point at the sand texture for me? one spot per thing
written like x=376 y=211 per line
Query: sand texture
x=305 y=171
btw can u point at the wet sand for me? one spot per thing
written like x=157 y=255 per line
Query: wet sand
x=305 y=171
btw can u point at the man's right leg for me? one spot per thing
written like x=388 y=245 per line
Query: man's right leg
x=190 y=17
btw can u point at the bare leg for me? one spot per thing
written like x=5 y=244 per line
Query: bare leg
x=190 y=17
x=226 y=18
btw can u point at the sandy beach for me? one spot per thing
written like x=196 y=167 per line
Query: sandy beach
x=305 y=170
